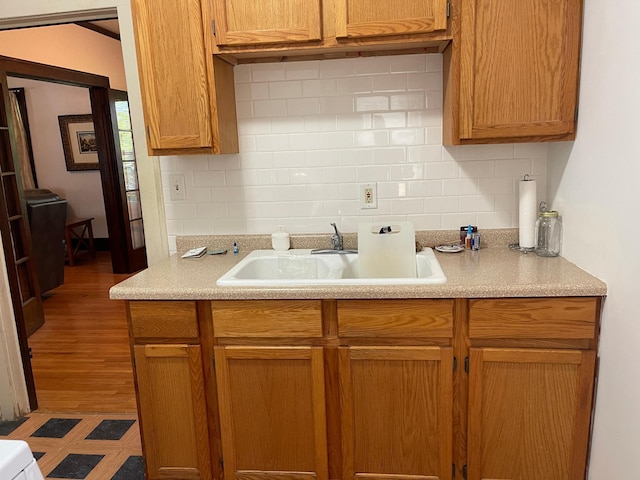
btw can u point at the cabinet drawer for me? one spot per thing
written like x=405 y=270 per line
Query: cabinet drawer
x=569 y=317
x=267 y=318
x=395 y=318
x=159 y=319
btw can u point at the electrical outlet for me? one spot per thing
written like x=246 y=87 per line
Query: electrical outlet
x=177 y=189
x=368 y=196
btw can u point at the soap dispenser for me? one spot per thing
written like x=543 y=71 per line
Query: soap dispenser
x=280 y=240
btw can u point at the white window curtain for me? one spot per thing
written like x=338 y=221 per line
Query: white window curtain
x=21 y=144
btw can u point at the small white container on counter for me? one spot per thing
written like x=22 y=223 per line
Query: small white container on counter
x=280 y=240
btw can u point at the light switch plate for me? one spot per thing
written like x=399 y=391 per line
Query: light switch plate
x=177 y=188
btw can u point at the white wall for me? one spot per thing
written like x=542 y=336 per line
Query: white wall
x=312 y=132
x=595 y=181
x=67 y=46
x=15 y=14
x=82 y=189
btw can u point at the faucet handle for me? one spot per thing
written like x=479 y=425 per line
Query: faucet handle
x=336 y=239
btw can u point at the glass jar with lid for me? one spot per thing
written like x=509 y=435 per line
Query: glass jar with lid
x=548 y=232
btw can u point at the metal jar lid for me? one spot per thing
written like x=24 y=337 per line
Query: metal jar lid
x=548 y=214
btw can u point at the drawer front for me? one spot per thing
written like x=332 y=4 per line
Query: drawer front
x=395 y=318
x=162 y=319
x=267 y=318
x=566 y=317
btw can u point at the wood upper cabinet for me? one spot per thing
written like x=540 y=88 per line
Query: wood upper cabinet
x=367 y=18
x=272 y=412
x=173 y=413
x=251 y=22
x=512 y=73
x=396 y=405
x=185 y=95
x=529 y=413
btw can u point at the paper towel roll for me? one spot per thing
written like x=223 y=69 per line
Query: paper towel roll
x=528 y=208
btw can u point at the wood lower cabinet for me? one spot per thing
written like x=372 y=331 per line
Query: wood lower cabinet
x=511 y=74
x=529 y=413
x=378 y=389
x=172 y=410
x=272 y=412
x=396 y=405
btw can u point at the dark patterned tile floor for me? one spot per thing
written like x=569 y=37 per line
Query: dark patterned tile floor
x=90 y=447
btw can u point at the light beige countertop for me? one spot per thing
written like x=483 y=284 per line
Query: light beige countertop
x=494 y=271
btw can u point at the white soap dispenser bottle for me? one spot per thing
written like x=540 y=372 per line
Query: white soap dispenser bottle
x=280 y=240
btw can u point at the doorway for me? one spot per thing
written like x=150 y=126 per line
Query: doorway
x=116 y=192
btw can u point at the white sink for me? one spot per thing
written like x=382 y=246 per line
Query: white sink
x=266 y=268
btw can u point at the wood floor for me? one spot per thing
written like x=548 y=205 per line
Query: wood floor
x=81 y=358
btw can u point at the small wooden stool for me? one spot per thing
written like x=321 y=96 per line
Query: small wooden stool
x=76 y=228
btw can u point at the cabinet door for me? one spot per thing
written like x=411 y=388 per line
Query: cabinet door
x=367 y=18
x=173 y=73
x=519 y=68
x=396 y=405
x=272 y=412
x=251 y=22
x=529 y=413
x=173 y=414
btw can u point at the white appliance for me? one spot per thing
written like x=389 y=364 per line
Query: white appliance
x=17 y=462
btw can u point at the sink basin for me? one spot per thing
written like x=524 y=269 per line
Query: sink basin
x=266 y=268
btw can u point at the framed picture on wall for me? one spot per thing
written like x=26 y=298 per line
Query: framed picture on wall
x=79 y=142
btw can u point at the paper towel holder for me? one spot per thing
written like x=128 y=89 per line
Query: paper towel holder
x=516 y=246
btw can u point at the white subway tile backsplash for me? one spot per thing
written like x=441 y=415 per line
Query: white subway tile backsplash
x=311 y=132
x=353 y=85
x=460 y=186
x=290 y=89
x=424 y=153
x=389 y=83
x=212 y=178
x=319 y=88
x=408 y=136
x=252 y=91
x=390 y=120
x=290 y=124
x=434 y=63
x=477 y=203
x=372 y=138
x=302 y=70
x=442 y=205
x=270 y=108
x=442 y=170
x=410 y=171
x=408 y=63
x=372 y=103
x=271 y=143
x=353 y=121
x=303 y=106
x=337 y=105
x=389 y=156
x=424 y=81
x=267 y=72
x=409 y=101
x=370 y=65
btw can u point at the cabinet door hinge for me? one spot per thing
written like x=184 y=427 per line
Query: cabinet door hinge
x=466 y=364
x=148 y=132
x=213 y=27
x=464 y=472
x=448 y=9
x=455 y=363
x=453 y=470
x=221 y=463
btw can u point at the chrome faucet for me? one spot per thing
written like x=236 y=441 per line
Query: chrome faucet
x=337 y=245
x=336 y=239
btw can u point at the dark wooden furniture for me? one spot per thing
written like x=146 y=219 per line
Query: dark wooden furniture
x=75 y=229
